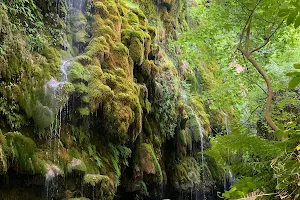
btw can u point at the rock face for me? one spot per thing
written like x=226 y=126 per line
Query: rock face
x=121 y=128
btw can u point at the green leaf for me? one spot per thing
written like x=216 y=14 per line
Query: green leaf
x=297 y=66
x=297 y=22
x=279 y=134
x=291 y=18
x=294 y=82
x=295 y=4
x=293 y=74
x=283 y=12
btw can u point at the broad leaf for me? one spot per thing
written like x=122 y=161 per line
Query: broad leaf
x=297 y=22
x=292 y=16
x=284 y=12
x=293 y=74
x=294 y=82
x=297 y=66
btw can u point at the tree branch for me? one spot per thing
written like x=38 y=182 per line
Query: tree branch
x=267 y=39
x=247 y=22
x=269 y=93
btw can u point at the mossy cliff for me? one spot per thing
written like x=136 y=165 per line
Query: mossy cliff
x=119 y=127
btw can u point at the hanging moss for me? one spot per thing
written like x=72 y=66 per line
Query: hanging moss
x=119 y=58
x=77 y=165
x=99 y=94
x=84 y=111
x=96 y=48
x=83 y=59
x=43 y=116
x=149 y=68
x=147 y=162
x=81 y=88
x=100 y=28
x=94 y=179
x=182 y=137
x=22 y=153
x=133 y=18
x=134 y=40
x=185 y=175
x=77 y=72
x=101 y=9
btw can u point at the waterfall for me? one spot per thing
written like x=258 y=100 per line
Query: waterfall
x=201 y=133
x=231 y=178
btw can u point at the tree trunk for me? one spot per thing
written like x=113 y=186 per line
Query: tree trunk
x=269 y=92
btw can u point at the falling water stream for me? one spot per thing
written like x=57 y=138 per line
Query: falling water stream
x=52 y=171
x=231 y=178
x=55 y=89
x=202 y=149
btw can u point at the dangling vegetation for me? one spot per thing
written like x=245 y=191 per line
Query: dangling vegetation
x=148 y=99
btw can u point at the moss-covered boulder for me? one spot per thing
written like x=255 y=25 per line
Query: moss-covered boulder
x=22 y=154
x=185 y=175
x=98 y=186
x=149 y=162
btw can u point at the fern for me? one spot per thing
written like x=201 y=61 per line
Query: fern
x=251 y=157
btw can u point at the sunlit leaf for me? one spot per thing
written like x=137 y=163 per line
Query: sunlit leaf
x=297 y=66
x=294 y=82
x=292 y=16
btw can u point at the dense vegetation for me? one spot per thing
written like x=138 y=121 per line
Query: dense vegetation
x=118 y=99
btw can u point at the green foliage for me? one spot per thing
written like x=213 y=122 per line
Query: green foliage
x=165 y=102
x=295 y=81
x=186 y=174
x=22 y=154
x=147 y=148
x=290 y=13
x=259 y=163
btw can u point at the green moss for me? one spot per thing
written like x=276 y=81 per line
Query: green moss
x=4 y=26
x=192 y=80
x=99 y=94
x=81 y=88
x=119 y=58
x=85 y=99
x=94 y=179
x=128 y=34
x=96 y=48
x=136 y=50
x=53 y=59
x=185 y=175
x=139 y=13
x=77 y=72
x=77 y=165
x=80 y=37
x=133 y=18
x=101 y=29
x=199 y=109
x=84 y=111
x=152 y=32
x=101 y=9
x=149 y=68
x=147 y=129
x=22 y=153
x=68 y=88
x=43 y=116
x=182 y=137
x=148 y=148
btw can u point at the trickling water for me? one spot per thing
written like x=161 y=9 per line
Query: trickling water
x=52 y=171
x=202 y=149
x=231 y=178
